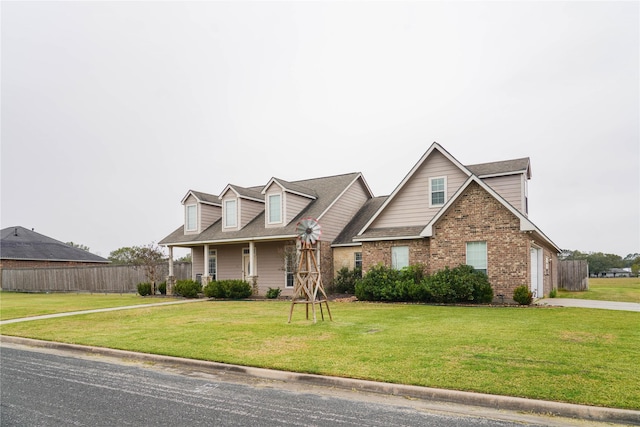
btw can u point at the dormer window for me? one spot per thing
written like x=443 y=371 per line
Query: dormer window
x=438 y=191
x=230 y=213
x=275 y=209
x=191 y=216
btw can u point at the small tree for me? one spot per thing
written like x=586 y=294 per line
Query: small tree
x=79 y=246
x=147 y=257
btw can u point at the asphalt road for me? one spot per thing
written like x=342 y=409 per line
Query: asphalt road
x=41 y=387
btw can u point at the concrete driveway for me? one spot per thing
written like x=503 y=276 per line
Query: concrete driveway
x=583 y=303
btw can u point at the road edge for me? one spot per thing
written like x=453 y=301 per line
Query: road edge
x=541 y=407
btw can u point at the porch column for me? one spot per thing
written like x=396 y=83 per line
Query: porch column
x=171 y=279
x=252 y=259
x=205 y=275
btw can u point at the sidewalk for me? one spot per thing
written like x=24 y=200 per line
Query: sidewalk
x=583 y=303
x=97 y=310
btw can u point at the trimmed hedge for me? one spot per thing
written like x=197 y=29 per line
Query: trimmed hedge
x=460 y=284
x=231 y=289
x=187 y=288
x=144 y=289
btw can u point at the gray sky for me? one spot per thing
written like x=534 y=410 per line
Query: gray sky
x=111 y=111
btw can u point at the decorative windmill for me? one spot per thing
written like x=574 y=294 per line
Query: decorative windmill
x=308 y=280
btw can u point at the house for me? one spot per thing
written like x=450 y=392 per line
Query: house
x=24 y=248
x=443 y=213
x=247 y=232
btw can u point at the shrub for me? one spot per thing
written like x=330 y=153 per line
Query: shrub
x=378 y=284
x=187 y=288
x=233 y=289
x=273 y=293
x=346 y=280
x=522 y=295
x=162 y=288
x=460 y=284
x=144 y=289
x=553 y=293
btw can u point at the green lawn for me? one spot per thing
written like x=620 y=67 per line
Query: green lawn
x=16 y=304
x=561 y=354
x=623 y=289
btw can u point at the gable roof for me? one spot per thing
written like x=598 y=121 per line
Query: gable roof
x=251 y=193
x=328 y=190
x=205 y=198
x=345 y=238
x=504 y=167
x=434 y=147
x=19 y=243
x=525 y=223
x=291 y=187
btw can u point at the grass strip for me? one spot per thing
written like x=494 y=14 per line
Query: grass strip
x=620 y=289
x=15 y=304
x=560 y=354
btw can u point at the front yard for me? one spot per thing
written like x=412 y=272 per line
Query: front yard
x=561 y=354
x=622 y=289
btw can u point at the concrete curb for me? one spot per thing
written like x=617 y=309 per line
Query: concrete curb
x=568 y=410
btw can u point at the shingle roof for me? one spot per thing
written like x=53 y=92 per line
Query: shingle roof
x=19 y=243
x=391 y=233
x=503 y=167
x=327 y=189
x=355 y=225
x=208 y=198
x=295 y=188
x=248 y=192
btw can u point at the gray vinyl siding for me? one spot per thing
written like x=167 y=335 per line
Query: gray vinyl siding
x=335 y=219
x=230 y=261
x=510 y=188
x=410 y=207
x=197 y=259
x=294 y=205
x=208 y=215
x=270 y=261
x=249 y=210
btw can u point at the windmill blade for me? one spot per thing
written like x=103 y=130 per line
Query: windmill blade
x=308 y=230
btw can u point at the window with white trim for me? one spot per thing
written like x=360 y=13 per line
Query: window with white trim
x=477 y=256
x=275 y=208
x=399 y=257
x=357 y=260
x=191 y=218
x=290 y=255
x=230 y=213
x=213 y=264
x=437 y=191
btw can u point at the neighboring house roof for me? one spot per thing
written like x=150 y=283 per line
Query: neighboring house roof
x=19 y=243
x=345 y=238
x=208 y=199
x=504 y=167
x=328 y=191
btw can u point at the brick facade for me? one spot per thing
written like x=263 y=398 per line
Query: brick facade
x=475 y=216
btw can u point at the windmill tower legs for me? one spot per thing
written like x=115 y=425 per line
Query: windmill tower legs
x=308 y=284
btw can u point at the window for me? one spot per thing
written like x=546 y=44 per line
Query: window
x=438 y=188
x=213 y=264
x=477 y=256
x=191 y=218
x=290 y=255
x=230 y=214
x=399 y=257
x=357 y=260
x=275 y=208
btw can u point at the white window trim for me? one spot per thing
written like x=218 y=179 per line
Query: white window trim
x=393 y=261
x=226 y=216
x=486 y=255
x=269 y=221
x=286 y=265
x=431 y=205
x=213 y=254
x=186 y=218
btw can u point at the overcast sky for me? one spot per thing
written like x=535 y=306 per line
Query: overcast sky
x=112 y=111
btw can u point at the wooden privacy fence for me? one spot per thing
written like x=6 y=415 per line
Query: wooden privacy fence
x=99 y=279
x=573 y=275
